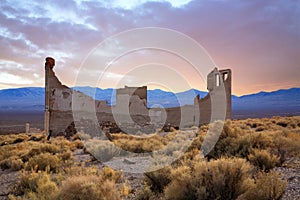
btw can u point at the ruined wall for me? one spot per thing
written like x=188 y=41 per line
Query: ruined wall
x=60 y=104
x=217 y=81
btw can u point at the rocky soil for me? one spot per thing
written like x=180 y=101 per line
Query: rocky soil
x=290 y=171
x=8 y=180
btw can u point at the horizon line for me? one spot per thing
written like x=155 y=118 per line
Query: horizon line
x=262 y=91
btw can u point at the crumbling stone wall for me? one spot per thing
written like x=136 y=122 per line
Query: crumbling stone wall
x=59 y=106
x=217 y=82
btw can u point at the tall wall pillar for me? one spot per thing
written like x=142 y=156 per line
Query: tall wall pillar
x=50 y=63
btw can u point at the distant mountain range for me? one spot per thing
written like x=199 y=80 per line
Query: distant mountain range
x=263 y=104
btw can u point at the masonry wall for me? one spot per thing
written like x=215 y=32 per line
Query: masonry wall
x=216 y=92
x=60 y=106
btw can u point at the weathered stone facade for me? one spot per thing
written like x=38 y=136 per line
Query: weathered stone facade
x=130 y=114
x=219 y=87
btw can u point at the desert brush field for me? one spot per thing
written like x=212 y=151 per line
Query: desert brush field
x=253 y=159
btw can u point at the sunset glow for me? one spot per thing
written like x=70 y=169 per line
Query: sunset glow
x=258 y=40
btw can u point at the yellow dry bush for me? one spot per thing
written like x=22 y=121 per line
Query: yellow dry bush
x=36 y=185
x=159 y=179
x=261 y=140
x=86 y=188
x=147 y=194
x=264 y=187
x=41 y=161
x=50 y=148
x=286 y=145
x=125 y=189
x=218 y=179
x=67 y=155
x=13 y=163
x=148 y=143
x=82 y=170
x=110 y=174
x=263 y=160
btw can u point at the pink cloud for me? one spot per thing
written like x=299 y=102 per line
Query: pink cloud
x=259 y=40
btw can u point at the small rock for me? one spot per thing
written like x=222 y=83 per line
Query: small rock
x=127 y=161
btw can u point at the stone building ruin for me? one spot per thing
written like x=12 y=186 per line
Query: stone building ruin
x=60 y=106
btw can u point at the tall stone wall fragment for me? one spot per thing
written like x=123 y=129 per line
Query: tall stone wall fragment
x=131 y=106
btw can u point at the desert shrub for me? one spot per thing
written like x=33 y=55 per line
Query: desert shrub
x=218 y=179
x=286 y=145
x=13 y=163
x=76 y=136
x=28 y=182
x=138 y=144
x=233 y=142
x=282 y=123
x=158 y=180
x=46 y=188
x=125 y=189
x=67 y=155
x=63 y=144
x=265 y=186
x=110 y=174
x=87 y=187
x=147 y=194
x=104 y=150
x=259 y=129
x=37 y=137
x=41 y=161
x=18 y=140
x=36 y=185
x=50 y=148
x=78 y=144
x=82 y=170
x=105 y=173
x=13 y=138
x=263 y=159
x=39 y=148
x=261 y=140
x=6 y=152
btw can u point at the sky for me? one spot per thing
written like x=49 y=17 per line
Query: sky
x=258 y=40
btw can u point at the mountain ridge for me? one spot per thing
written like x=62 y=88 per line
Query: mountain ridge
x=279 y=101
